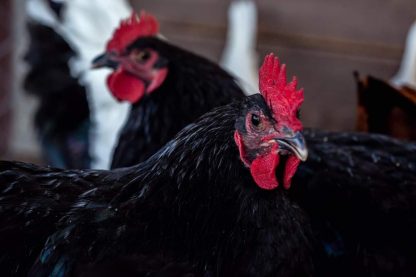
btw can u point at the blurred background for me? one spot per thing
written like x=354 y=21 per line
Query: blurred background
x=323 y=42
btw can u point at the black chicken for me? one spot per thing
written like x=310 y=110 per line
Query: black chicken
x=346 y=152
x=181 y=204
x=168 y=87
x=193 y=207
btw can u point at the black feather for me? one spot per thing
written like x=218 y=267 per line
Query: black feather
x=192 y=203
x=62 y=117
x=359 y=191
x=193 y=207
x=193 y=87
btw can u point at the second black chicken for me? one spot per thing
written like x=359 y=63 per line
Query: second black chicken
x=168 y=87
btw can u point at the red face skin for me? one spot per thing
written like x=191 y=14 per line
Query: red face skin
x=136 y=75
x=260 y=142
x=263 y=145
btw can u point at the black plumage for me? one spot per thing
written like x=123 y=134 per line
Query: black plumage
x=31 y=202
x=355 y=174
x=193 y=86
x=359 y=191
x=194 y=201
x=62 y=117
x=193 y=208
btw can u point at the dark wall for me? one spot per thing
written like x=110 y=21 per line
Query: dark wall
x=6 y=74
x=322 y=41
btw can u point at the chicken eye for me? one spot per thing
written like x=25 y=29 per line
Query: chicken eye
x=255 y=120
x=143 y=56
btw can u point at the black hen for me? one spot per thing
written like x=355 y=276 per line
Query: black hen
x=356 y=190
x=193 y=207
x=350 y=212
x=168 y=87
x=193 y=200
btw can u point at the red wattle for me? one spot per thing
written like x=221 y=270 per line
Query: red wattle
x=263 y=169
x=292 y=164
x=125 y=87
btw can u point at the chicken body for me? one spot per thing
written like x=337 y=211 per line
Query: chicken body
x=193 y=207
x=32 y=200
x=194 y=200
x=359 y=191
x=192 y=87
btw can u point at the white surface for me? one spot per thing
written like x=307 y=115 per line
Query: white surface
x=407 y=72
x=240 y=56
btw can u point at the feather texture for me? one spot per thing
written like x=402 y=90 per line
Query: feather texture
x=193 y=86
x=194 y=207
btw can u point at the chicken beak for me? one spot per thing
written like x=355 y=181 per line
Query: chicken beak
x=295 y=144
x=104 y=60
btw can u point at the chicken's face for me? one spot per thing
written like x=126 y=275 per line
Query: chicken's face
x=268 y=134
x=138 y=70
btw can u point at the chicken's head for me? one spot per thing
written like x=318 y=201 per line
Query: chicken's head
x=268 y=134
x=138 y=69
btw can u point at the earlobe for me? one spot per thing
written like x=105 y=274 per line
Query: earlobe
x=240 y=145
x=158 y=79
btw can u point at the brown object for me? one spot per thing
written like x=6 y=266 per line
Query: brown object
x=385 y=109
x=6 y=74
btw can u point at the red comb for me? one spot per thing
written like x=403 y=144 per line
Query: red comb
x=282 y=97
x=131 y=29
